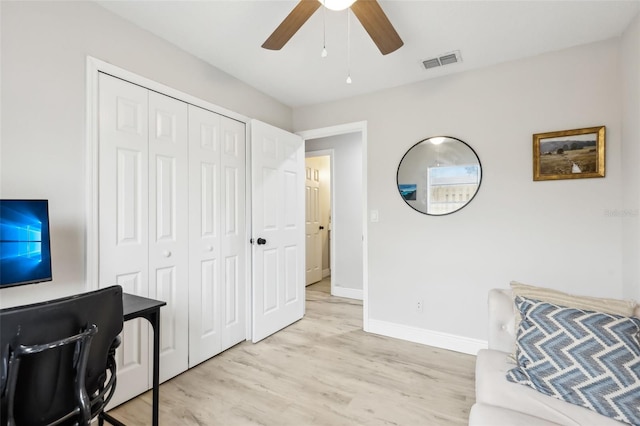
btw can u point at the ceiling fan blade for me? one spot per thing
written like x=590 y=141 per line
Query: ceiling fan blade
x=291 y=24
x=374 y=20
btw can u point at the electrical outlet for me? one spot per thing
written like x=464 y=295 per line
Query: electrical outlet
x=419 y=306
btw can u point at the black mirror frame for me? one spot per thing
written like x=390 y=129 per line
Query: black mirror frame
x=453 y=211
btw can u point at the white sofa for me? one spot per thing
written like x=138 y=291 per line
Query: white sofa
x=503 y=403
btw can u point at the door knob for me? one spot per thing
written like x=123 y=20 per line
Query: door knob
x=321 y=227
x=261 y=241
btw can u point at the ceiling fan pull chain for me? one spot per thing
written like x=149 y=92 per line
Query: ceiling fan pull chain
x=348 y=46
x=324 y=33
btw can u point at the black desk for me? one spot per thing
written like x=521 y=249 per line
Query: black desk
x=142 y=307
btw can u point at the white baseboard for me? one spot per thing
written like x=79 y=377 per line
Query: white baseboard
x=427 y=337
x=326 y=273
x=350 y=293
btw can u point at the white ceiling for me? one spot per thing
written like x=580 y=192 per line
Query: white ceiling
x=228 y=34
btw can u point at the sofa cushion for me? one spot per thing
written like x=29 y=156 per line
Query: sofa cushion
x=493 y=388
x=587 y=358
x=597 y=304
x=625 y=308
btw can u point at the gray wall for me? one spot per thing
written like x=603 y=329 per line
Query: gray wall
x=44 y=49
x=564 y=234
x=552 y=233
x=630 y=213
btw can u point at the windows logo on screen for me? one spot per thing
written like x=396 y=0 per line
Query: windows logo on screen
x=25 y=252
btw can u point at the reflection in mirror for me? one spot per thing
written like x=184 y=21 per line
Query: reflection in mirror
x=439 y=175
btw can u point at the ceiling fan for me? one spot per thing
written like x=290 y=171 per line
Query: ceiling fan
x=368 y=12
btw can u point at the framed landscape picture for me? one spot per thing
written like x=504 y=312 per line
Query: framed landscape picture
x=569 y=154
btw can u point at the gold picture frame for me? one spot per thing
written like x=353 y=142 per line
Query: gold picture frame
x=569 y=154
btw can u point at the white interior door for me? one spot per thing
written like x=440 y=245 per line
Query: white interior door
x=168 y=228
x=313 y=236
x=278 y=229
x=123 y=211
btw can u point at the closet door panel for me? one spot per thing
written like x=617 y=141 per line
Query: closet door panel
x=207 y=281
x=205 y=314
x=123 y=211
x=168 y=228
x=233 y=239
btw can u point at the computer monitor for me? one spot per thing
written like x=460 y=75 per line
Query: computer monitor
x=25 y=246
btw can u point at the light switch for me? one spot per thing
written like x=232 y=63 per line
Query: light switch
x=374 y=215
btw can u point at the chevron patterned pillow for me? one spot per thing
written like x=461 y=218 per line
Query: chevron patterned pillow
x=582 y=357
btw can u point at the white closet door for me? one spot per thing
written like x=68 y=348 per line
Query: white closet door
x=218 y=242
x=172 y=226
x=234 y=241
x=168 y=228
x=123 y=212
x=204 y=235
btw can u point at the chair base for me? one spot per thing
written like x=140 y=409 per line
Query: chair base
x=109 y=419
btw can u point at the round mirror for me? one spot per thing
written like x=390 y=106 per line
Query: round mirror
x=439 y=175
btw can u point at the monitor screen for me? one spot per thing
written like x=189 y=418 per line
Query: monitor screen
x=25 y=249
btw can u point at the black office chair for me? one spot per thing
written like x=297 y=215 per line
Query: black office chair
x=58 y=359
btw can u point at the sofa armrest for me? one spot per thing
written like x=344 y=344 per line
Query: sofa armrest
x=490 y=415
x=502 y=334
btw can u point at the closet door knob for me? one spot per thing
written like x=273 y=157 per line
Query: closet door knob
x=261 y=241
x=166 y=253
x=209 y=248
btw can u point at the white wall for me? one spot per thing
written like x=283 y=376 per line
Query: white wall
x=551 y=233
x=630 y=58
x=347 y=208
x=44 y=49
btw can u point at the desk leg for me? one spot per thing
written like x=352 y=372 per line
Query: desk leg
x=154 y=319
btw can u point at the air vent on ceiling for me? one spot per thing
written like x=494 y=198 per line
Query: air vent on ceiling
x=444 y=59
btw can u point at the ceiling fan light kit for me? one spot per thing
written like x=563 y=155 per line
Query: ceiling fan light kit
x=337 y=4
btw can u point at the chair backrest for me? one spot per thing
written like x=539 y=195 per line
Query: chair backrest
x=45 y=381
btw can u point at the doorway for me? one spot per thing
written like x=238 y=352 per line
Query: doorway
x=318 y=216
x=346 y=238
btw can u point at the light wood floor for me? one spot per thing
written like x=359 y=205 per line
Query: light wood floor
x=322 y=370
